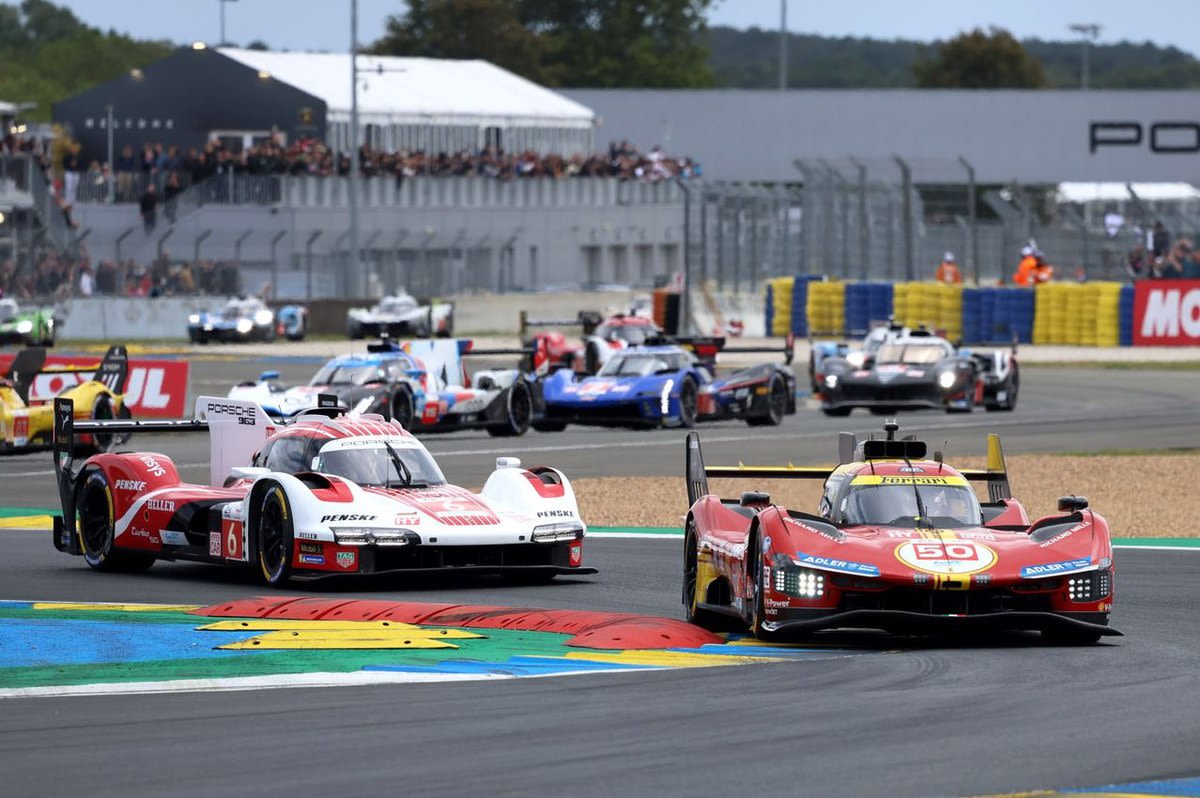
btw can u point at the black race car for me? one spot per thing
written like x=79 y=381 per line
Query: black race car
x=920 y=370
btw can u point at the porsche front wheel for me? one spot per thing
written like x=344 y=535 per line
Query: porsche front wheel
x=273 y=536
x=97 y=532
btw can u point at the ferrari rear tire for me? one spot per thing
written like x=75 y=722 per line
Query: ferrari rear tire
x=692 y=613
x=273 y=536
x=97 y=529
x=518 y=412
x=777 y=402
x=687 y=403
x=401 y=408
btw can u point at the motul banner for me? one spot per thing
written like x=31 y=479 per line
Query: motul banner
x=1166 y=313
x=155 y=388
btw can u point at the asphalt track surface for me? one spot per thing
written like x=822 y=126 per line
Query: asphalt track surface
x=940 y=717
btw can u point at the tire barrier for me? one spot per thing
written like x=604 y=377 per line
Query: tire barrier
x=1082 y=314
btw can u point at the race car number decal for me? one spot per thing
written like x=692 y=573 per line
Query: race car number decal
x=946 y=557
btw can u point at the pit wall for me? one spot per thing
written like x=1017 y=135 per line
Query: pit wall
x=1085 y=314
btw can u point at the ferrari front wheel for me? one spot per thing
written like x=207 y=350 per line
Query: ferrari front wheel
x=273 y=536
x=713 y=622
x=754 y=569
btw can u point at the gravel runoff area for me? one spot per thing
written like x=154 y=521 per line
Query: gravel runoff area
x=1139 y=495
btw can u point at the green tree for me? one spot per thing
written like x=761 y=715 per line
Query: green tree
x=490 y=30
x=651 y=43
x=978 y=60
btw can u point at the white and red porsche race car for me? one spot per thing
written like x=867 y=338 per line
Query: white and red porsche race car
x=321 y=496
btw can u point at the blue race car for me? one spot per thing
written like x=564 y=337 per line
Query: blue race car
x=247 y=319
x=421 y=384
x=669 y=385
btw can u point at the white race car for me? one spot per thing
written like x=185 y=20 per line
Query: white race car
x=323 y=496
x=401 y=316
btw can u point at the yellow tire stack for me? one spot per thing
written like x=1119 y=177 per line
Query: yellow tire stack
x=1050 y=320
x=948 y=301
x=826 y=308
x=781 y=304
x=1108 y=314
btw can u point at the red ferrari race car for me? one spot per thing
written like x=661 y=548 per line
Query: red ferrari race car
x=321 y=496
x=601 y=339
x=899 y=543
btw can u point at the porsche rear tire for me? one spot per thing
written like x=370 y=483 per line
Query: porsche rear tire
x=518 y=412
x=777 y=402
x=273 y=536
x=97 y=529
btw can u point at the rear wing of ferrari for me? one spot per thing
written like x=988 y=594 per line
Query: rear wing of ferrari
x=995 y=474
x=586 y=320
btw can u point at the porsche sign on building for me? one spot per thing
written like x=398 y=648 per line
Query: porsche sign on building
x=1031 y=137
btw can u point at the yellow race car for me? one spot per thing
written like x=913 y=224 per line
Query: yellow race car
x=25 y=425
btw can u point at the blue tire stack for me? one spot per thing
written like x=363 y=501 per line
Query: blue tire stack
x=770 y=310
x=800 y=303
x=1021 y=302
x=857 y=309
x=879 y=301
x=1125 y=315
x=972 y=312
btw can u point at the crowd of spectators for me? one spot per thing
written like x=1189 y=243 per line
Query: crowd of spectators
x=1156 y=257
x=170 y=170
x=57 y=276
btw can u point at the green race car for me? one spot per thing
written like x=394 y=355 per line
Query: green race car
x=28 y=327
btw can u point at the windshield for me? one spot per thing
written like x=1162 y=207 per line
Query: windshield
x=344 y=374
x=397 y=305
x=632 y=334
x=366 y=462
x=916 y=354
x=901 y=505
x=640 y=365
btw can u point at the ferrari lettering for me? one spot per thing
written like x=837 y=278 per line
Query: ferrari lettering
x=871 y=479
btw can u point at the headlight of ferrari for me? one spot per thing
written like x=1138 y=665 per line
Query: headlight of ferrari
x=548 y=533
x=947 y=379
x=856 y=359
x=263 y=317
x=799 y=582
x=25 y=326
x=194 y=318
x=245 y=325
x=831 y=381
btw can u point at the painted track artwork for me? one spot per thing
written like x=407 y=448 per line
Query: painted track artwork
x=61 y=648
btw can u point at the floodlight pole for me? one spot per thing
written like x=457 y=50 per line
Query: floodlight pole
x=222 y=3
x=355 y=281
x=112 y=166
x=783 y=46
x=1088 y=32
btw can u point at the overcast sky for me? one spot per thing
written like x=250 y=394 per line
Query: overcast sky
x=324 y=24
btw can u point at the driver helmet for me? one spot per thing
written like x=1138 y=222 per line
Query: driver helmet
x=946 y=502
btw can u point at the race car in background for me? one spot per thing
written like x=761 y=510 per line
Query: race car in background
x=899 y=543
x=323 y=496
x=919 y=370
x=671 y=384
x=28 y=424
x=401 y=316
x=422 y=384
x=37 y=327
x=860 y=355
x=602 y=337
x=244 y=319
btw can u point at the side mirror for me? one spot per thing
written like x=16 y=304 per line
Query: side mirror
x=1071 y=504
x=753 y=497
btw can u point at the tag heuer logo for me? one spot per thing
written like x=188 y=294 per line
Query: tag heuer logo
x=345 y=559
